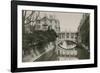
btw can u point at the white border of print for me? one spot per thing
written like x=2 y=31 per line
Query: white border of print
x=53 y=63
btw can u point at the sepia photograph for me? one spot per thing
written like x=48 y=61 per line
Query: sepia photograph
x=55 y=36
x=51 y=36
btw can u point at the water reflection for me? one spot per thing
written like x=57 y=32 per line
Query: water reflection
x=66 y=50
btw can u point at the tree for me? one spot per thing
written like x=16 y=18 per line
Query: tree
x=37 y=39
x=28 y=17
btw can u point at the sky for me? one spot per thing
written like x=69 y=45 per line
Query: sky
x=69 y=21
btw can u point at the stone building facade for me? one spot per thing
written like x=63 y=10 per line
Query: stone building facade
x=84 y=30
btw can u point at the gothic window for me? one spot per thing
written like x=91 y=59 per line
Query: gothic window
x=67 y=35
x=37 y=27
x=72 y=35
x=45 y=26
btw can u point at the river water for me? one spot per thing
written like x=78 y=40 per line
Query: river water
x=67 y=51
